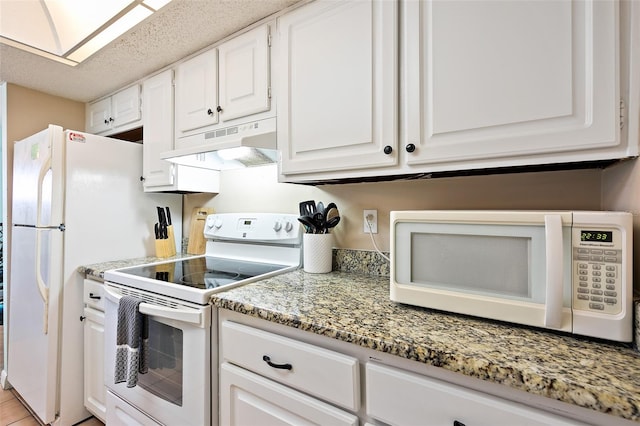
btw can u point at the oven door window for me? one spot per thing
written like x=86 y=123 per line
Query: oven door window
x=165 y=361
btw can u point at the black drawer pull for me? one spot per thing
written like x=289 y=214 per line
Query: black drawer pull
x=280 y=366
x=92 y=296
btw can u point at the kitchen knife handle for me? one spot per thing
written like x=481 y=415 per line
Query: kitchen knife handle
x=168 y=215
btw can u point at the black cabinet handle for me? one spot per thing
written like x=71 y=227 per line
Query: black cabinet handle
x=106 y=121
x=279 y=366
x=457 y=423
x=388 y=150
x=142 y=179
x=410 y=147
x=111 y=119
x=219 y=108
x=82 y=318
x=92 y=296
x=210 y=111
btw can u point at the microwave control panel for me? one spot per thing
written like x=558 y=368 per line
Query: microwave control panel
x=598 y=261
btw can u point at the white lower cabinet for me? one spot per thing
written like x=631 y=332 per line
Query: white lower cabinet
x=311 y=379
x=400 y=397
x=94 y=388
x=266 y=378
x=249 y=399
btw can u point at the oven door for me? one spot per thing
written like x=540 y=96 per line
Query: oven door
x=177 y=387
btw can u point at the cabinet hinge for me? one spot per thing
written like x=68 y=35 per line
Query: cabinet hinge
x=269 y=40
x=622 y=113
x=269 y=92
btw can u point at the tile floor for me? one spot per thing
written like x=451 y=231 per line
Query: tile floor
x=13 y=413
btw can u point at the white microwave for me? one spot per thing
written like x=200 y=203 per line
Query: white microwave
x=563 y=270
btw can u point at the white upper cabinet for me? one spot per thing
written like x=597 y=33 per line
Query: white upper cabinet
x=502 y=80
x=337 y=70
x=157 y=93
x=224 y=83
x=244 y=74
x=117 y=113
x=197 y=92
x=482 y=84
x=160 y=175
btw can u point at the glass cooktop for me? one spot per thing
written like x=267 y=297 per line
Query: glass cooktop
x=203 y=272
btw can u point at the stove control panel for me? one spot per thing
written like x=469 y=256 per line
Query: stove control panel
x=275 y=227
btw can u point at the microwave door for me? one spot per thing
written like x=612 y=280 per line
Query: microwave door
x=496 y=271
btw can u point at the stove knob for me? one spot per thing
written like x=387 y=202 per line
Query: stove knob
x=277 y=226
x=218 y=223
x=210 y=221
x=288 y=226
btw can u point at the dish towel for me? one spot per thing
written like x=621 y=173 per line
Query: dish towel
x=132 y=341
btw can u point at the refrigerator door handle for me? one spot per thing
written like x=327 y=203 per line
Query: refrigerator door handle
x=44 y=169
x=42 y=287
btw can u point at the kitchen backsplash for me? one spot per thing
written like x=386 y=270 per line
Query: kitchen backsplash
x=360 y=261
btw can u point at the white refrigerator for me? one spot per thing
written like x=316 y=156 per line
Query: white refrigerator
x=77 y=200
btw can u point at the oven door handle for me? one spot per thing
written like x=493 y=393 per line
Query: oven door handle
x=183 y=315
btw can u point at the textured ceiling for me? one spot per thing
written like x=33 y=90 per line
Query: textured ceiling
x=178 y=30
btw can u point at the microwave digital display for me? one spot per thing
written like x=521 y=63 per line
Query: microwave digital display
x=596 y=236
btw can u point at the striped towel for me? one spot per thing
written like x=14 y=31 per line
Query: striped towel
x=132 y=340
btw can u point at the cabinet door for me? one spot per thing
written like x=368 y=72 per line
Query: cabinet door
x=249 y=399
x=337 y=67
x=157 y=95
x=500 y=79
x=244 y=74
x=197 y=92
x=399 y=397
x=125 y=106
x=98 y=115
x=94 y=387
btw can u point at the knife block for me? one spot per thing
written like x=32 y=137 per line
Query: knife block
x=172 y=240
x=163 y=248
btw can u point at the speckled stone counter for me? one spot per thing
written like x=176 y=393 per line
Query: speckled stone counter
x=355 y=308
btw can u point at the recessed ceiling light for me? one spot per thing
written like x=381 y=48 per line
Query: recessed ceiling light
x=70 y=31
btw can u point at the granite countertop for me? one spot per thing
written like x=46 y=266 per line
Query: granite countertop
x=355 y=308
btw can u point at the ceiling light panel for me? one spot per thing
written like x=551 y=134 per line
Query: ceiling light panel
x=73 y=29
x=75 y=20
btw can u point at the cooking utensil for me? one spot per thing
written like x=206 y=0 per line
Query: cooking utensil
x=309 y=224
x=318 y=220
x=330 y=223
x=307 y=208
x=320 y=207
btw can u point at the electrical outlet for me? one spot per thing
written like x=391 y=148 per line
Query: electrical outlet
x=372 y=216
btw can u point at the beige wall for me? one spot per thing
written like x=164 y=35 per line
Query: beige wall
x=257 y=189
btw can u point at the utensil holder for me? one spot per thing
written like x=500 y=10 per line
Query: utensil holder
x=317 y=253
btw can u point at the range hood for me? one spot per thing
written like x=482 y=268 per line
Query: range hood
x=245 y=145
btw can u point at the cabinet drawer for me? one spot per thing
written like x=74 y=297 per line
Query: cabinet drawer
x=325 y=374
x=93 y=294
x=400 y=397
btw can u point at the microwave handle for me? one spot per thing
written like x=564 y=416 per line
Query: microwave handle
x=555 y=263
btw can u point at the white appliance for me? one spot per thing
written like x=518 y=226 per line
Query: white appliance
x=241 y=248
x=77 y=200
x=252 y=143
x=562 y=270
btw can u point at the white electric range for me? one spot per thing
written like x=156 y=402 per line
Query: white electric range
x=179 y=387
